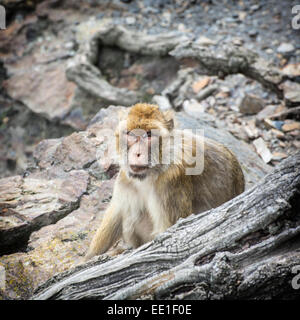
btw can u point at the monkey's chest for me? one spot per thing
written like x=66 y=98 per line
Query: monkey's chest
x=137 y=226
x=143 y=227
x=138 y=215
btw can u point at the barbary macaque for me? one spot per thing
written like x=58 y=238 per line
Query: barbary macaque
x=165 y=173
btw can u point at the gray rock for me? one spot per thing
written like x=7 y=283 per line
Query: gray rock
x=55 y=92
x=251 y=104
x=266 y=112
x=162 y=101
x=291 y=91
x=262 y=150
x=255 y=7
x=29 y=203
x=253 y=33
x=285 y=48
x=130 y=20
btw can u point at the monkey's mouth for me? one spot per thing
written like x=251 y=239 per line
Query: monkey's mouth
x=138 y=169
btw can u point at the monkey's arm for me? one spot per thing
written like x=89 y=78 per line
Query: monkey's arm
x=108 y=233
x=175 y=192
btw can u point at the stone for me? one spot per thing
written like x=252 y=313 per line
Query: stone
x=130 y=20
x=251 y=104
x=200 y=84
x=86 y=216
x=285 y=48
x=291 y=91
x=273 y=124
x=296 y=144
x=277 y=156
x=238 y=132
x=162 y=101
x=295 y=133
x=181 y=27
x=251 y=129
x=278 y=134
x=266 y=112
x=253 y=32
x=56 y=196
x=75 y=151
x=255 y=7
x=262 y=150
x=290 y=126
x=238 y=41
x=242 y=15
x=193 y=107
x=44 y=89
x=291 y=70
x=269 y=51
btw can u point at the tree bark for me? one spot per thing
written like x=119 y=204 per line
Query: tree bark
x=245 y=249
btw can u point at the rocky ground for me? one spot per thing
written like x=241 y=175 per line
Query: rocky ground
x=62 y=63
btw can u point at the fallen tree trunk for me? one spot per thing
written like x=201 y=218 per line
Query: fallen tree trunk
x=220 y=59
x=247 y=248
x=225 y=59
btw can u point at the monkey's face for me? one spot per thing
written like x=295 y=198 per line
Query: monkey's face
x=141 y=150
x=141 y=136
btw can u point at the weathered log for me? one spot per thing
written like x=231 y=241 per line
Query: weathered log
x=246 y=248
x=220 y=59
x=225 y=59
x=86 y=75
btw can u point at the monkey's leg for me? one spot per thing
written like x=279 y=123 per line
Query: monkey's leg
x=108 y=233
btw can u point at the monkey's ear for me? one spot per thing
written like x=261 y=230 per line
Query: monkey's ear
x=169 y=118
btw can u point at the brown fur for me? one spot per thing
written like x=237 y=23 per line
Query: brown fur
x=141 y=209
x=147 y=116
